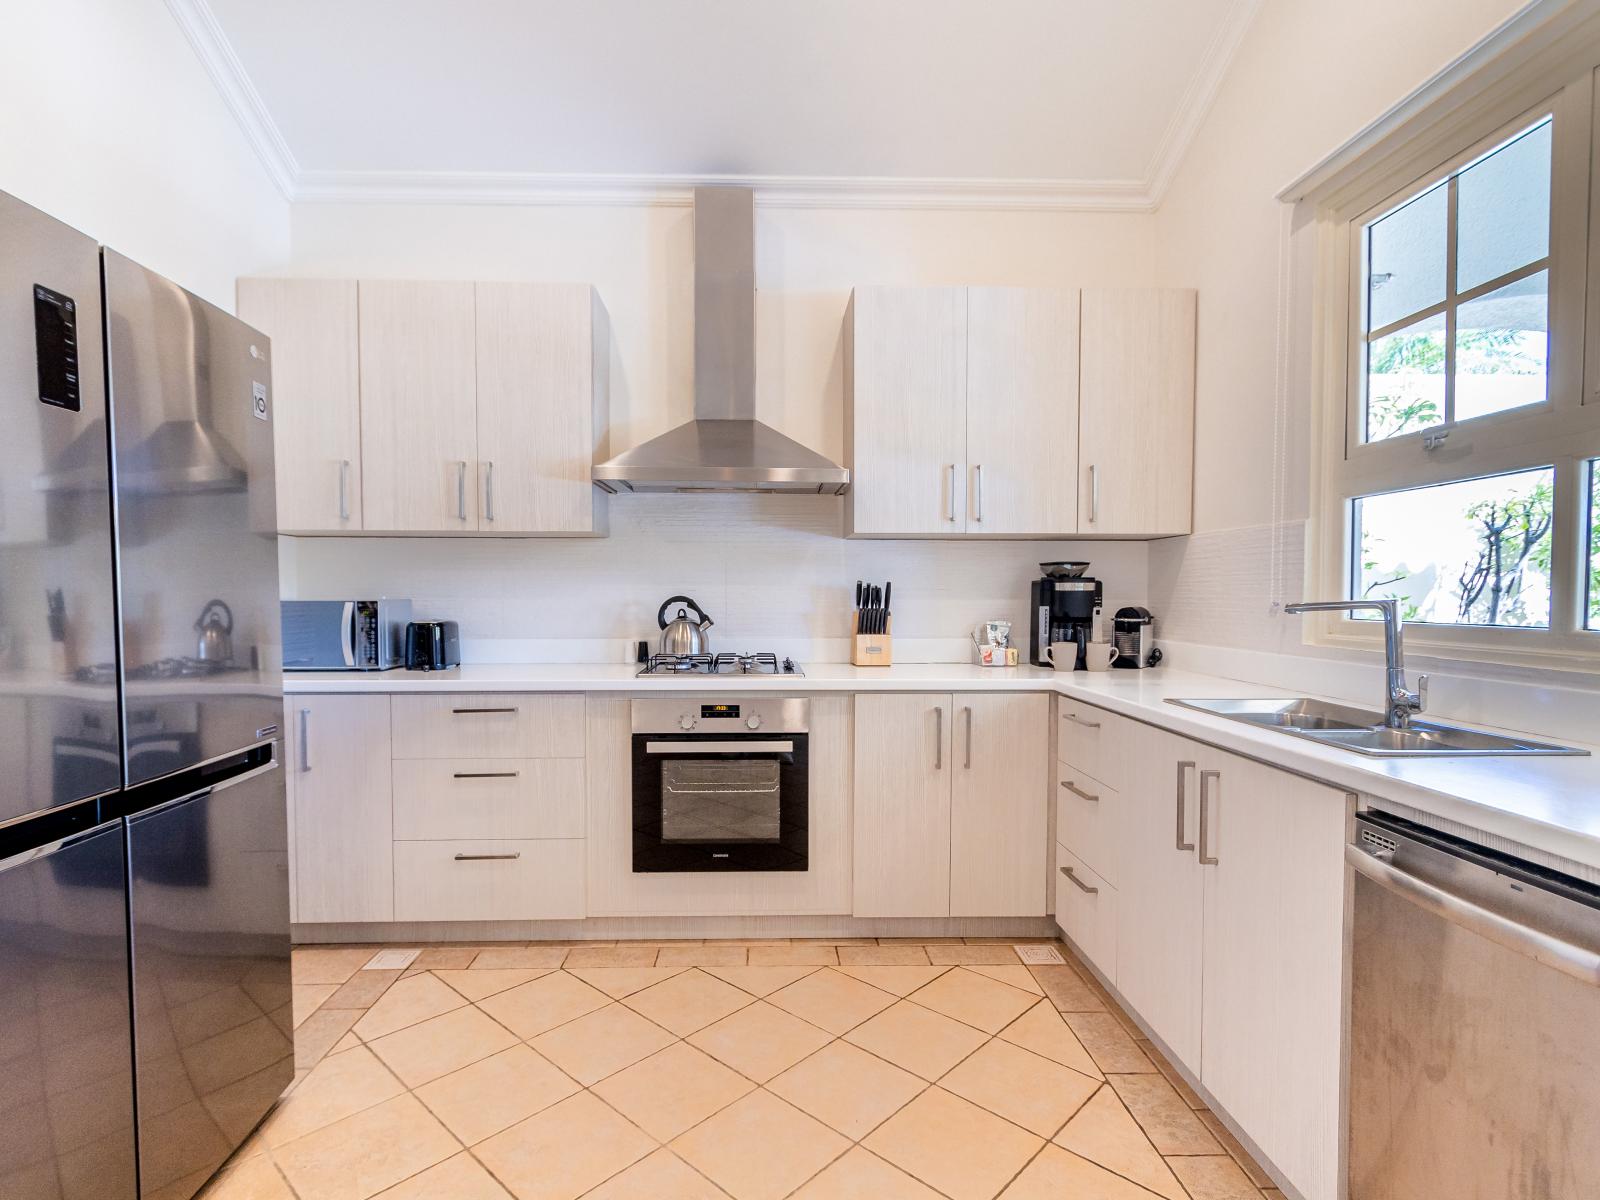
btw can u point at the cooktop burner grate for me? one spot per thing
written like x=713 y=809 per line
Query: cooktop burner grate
x=761 y=663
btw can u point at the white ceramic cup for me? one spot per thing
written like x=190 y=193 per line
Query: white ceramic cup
x=1098 y=656
x=1063 y=656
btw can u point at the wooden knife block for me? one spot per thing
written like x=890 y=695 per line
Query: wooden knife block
x=872 y=649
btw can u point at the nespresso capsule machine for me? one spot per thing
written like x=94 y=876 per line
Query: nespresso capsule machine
x=1066 y=607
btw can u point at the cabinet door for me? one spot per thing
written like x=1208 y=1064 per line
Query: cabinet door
x=999 y=805
x=1022 y=410
x=1274 y=950
x=419 y=408
x=316 y=414
x=343 y=812
x=541 y=374
x=902 y=806
x=1160 y=889
x=1136 y=412
x=906 y=418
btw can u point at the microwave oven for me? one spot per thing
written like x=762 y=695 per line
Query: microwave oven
x=344 y=635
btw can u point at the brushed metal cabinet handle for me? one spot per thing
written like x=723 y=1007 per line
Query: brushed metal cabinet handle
x=1081 y=885
x=461 y=490
x=1079 y=792
x=1180 y=844
x=978 y=499
x=486 y=774
x=938 y=739
x=462 y=711
x=488 y=492
x=487 y=857
x=1207 y=859
x=1077 y=720
x=968 y=711
x=305 y=739
x=344 y=489
x=1094 y=493
x=952 y=469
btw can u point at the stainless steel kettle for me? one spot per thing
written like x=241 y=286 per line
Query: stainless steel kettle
x=215 y=627
x=683 y=634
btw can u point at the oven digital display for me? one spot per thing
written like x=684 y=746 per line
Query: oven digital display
x=719 y=710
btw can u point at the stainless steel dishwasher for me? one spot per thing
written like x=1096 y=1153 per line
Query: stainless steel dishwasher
x=1475 y=1022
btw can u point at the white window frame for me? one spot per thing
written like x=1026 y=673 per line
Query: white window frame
x=1563 y=431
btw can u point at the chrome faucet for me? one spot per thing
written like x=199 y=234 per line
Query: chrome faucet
x=1400 y=703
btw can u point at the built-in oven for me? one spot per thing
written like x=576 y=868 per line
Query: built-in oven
x=720 y=785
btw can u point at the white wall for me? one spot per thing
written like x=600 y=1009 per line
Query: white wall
x=109 y=122
x=772 y=571
x=1307 y=77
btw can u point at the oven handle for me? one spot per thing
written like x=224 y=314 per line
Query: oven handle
x=719 y=747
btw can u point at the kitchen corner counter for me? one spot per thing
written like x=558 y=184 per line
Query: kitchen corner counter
x=1548 y=804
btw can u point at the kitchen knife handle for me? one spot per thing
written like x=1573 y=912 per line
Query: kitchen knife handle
x=952 y=469
x=344 y=489
x=977 y=505
x=461 y=490
x=488 y=491
x=305 y=739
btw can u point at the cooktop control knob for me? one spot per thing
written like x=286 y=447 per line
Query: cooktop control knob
x=686 y=722
x=753 y=721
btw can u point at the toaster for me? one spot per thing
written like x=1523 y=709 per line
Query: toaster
x=433 y=645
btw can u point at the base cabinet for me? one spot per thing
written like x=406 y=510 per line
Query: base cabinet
x=1224 y=933
x=488 y=880
x=951 y=805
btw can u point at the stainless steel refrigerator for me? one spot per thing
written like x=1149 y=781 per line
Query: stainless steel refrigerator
x=145 y=1003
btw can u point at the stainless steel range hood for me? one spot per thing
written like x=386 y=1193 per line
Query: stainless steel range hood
x=724 y=449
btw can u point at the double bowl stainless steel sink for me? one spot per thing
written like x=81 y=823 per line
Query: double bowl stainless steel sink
x=1366 y=732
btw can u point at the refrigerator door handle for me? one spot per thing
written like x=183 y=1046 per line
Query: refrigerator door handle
x=208 y=789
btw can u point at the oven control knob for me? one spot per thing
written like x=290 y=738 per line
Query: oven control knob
x=686 y=722
x=753 y=721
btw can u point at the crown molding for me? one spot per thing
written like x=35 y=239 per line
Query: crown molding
x=227 y=73
x=677 y=191
x=1195 y=103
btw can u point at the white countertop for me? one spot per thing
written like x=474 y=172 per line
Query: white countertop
x=1551 y=804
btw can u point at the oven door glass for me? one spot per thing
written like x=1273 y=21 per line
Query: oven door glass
x=721 y=800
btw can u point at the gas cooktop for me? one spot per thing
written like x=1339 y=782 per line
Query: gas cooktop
x=719 y=664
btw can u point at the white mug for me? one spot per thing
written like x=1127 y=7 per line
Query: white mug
x=1098 y=656
x=1063 y=656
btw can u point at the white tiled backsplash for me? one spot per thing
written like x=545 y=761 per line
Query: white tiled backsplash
x=774 y=572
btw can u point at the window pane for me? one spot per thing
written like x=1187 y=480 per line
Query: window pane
x=1470 y=553
x=1503 y=220
x=1405 y=259
x=1502 y=348
x=1405 y=380
x=1594 y=545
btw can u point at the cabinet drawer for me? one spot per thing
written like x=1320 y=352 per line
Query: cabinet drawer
x=1088 y=918
x=496 y=725
x=1086 y=820
x=1086 y=740
x=443 y=798
x=488 y=880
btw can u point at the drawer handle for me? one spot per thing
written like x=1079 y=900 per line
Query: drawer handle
x=460 y=711
x=1079 y=792
x=486 y=857
x=1077 y=720
x=1081 y=885
x=487 y=774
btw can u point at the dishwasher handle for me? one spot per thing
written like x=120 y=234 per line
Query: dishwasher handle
x=1557 y=953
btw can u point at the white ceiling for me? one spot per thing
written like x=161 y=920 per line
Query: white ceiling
x=1056 y=97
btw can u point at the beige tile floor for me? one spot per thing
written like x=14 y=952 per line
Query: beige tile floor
x=849 y=1070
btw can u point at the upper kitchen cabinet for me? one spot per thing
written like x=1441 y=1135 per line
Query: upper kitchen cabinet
x=1019 y=412
x=316 y=380
x=542 y=358
x=419 y=406
x=435 y=408
x=1136 y=413
x=906 y=411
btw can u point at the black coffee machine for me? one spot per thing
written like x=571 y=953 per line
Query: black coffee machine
x=1066 y=608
